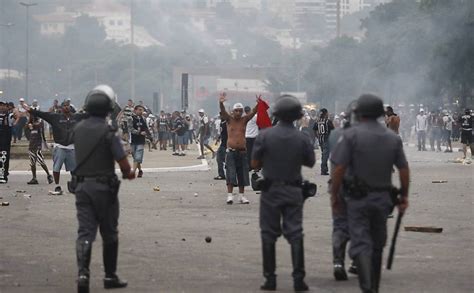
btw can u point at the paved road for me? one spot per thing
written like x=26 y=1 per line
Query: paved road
x=162 y=247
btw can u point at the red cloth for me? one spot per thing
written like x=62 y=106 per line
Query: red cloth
x=263 y=120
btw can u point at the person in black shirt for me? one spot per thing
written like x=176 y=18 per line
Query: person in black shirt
x=180 y=130
x=220 y=158
x=63 y=124
x=323 y=128
x=466 y=132
x=5 y=141
x=138 y=130
x=34 y=150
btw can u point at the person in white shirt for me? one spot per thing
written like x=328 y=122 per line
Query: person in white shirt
x=421 y=126
x=251 y=133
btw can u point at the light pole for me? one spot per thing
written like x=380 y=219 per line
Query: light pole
x=27 y=6
x=7 y=26
x=132 y=51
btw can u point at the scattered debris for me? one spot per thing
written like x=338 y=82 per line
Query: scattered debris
x=27 y=195
x=51 y=192
x=156 y=188
x=5 y=204
x=439 y=181
x=183 y=239
x=208 y=239
x=423 y=229
x=21 y=191
x=196 y=194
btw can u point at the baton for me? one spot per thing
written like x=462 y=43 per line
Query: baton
x=394 y=241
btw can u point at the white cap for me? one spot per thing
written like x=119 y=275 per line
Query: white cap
x=22 y=100
x=238 y=106
x=342 y=114
x=421 y=110
x=201 y=111
x=35 y=101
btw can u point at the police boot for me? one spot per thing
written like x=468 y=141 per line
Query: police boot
x=377 y=269
x=110 y=253
x=269 y=265
x=297 y=257
x=83 y=254
x=339 y=252
x=364 y=270
x=353 y=268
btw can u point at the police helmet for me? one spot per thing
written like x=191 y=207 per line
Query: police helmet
x=100 y=100
x=288 y=108
x=369 y=106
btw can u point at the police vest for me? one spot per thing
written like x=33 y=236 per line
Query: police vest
x=101 y=160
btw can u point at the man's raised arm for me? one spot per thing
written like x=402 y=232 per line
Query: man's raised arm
x=224 y=114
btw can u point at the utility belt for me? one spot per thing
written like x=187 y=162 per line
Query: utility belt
x=357 y=189
x=258 y=183
x=111 y=180
x=106 y=179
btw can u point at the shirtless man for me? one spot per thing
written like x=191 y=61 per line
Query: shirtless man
x=236 y=157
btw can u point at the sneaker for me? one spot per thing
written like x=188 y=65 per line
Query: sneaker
x=32 y=182
x=182 y=155
x=175 y=154
x=50 y=179
x=3 y=181
x=243 y=199
x=201 y=157
x=230 y=199
x=140 y=174
x=57 y=191
x=219 y=178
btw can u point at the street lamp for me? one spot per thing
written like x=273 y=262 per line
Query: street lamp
x=7 y=26
x=132 y=50
x=27 y=6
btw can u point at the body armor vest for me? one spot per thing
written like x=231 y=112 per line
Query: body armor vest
x=89 y=134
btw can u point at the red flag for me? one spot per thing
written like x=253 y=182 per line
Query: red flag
x=263 y=120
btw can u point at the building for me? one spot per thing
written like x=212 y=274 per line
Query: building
x=56 y=23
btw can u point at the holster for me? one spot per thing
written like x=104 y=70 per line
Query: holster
x=355 y=188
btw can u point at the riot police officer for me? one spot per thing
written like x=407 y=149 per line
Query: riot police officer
x=97 y=204
x=368 y=151
x=281 y=151
x=340 y=226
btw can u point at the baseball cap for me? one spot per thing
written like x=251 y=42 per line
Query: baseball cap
x=22 y=100
x=35 y=101
x=238 y=106
x=201 y=111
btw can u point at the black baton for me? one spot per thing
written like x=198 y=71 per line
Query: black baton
x=394 y=241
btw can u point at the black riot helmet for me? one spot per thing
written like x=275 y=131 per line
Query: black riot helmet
x=288 y=108
x=100 y=101
x=369 y=106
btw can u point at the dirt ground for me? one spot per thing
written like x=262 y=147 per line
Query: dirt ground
x=162 y=246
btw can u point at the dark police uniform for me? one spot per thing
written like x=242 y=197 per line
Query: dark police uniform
x=283 y=150
x=340 y=226
x=97 y=148
x=369 y=150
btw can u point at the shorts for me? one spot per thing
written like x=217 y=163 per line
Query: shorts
x=137 y=152
x=237 y=168
x=181 y=139
x=205 y=139
x=162 y=135
x=63 y=156
x=466 y=136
